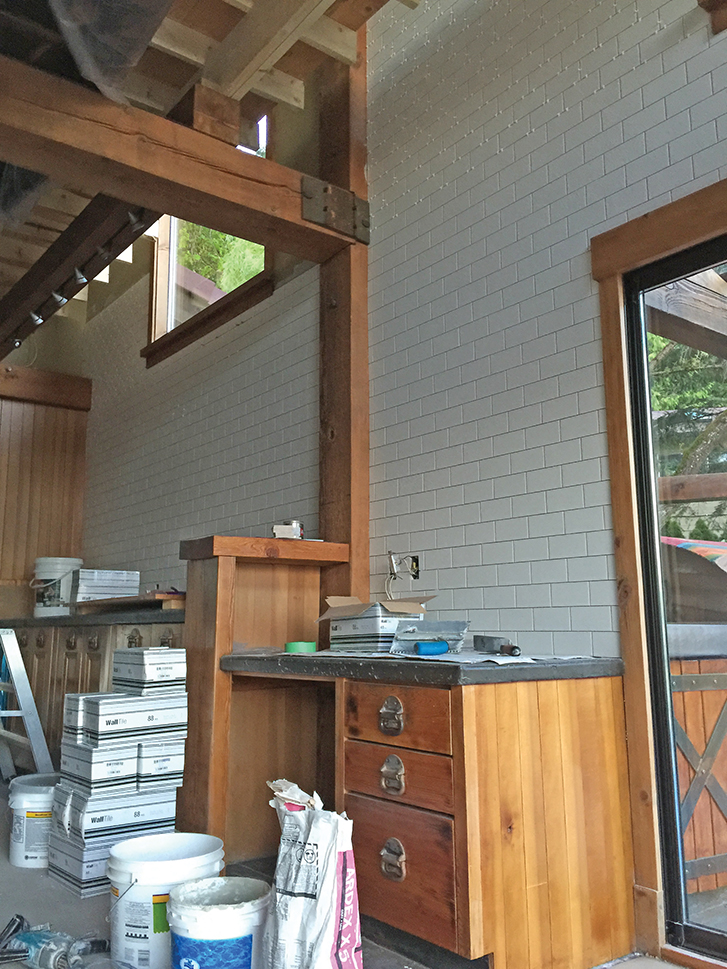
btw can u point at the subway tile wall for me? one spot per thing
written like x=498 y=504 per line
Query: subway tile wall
x=222 y=438
x=502 y=136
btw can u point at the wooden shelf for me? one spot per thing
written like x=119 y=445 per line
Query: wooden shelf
x=285 y=551
x=151 y=600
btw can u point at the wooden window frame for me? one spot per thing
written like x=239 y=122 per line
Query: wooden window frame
x=665 y=231
x=162 y=342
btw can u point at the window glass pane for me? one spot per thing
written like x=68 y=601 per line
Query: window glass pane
x=208 y=265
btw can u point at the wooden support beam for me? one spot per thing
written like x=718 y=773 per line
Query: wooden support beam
x=258 y=42
x=44 y=387
x=193 y=46
x=691 y=311
x=717 y=10
x=211 y=112
x=103 y=229
x=692 y=487
x=344 y=376
x=83 y=140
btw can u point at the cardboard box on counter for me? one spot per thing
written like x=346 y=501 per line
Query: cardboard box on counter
x=369 y=626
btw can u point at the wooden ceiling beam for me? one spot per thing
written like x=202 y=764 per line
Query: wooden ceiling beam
x=255 y=45
x=83 y=140
x=193 y=47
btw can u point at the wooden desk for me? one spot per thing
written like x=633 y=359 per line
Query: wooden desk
x=513 y=815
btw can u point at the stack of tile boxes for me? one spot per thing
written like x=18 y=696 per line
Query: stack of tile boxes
x=122 y=759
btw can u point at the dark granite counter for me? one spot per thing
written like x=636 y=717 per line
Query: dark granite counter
x=123 y=617
x=386 y=668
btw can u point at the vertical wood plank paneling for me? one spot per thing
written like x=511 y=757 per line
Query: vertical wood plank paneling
x=10 y=544
x=619 y=854
x=536 y=855
x=559 y=882
x=5 y=406
x=714 y=701
x=511 y=826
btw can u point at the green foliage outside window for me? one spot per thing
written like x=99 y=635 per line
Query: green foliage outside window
x=224 y=259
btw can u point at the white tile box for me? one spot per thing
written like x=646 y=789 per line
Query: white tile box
x=83 y=863
x=154 y=665
x=100 y=768
x=160 y=764
x=113 y=717
x=149 y=689
x=73 y=711
x=88 y=819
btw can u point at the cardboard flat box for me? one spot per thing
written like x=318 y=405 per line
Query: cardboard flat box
x=368 y=626
x=90 y=819
x=96 y=769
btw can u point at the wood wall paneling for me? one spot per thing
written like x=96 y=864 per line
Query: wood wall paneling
x=551 y=839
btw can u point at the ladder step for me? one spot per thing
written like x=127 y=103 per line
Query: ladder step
x=15 y=738
x=7 y=688
x=11 y=713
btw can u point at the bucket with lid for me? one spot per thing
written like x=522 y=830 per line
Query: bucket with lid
x=52 y=585
x=218 y=922
x=142 y=871
x=31 y=800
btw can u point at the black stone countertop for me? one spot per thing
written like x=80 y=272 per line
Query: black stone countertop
x=394 y=669
x=123 y=617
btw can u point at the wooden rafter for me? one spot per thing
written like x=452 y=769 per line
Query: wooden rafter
x=259 y=41
x=717 y=10
x=81 y=139
x=691 y=311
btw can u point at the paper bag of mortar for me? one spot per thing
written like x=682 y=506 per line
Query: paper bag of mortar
x=314 y=920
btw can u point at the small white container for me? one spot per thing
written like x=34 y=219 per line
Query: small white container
x=31 y=801
x=218 y=922
x=52 y=585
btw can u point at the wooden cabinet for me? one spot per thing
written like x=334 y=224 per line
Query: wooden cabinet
x=492 y=818
x=78 y=658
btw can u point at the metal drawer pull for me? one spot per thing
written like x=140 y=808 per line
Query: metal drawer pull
x=133 y=640
x=393 y=860
x=71 y=642
x=392 y=775
x=391 y=716
x=93 y=643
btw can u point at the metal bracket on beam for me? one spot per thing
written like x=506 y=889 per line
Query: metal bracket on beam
x=335 y=208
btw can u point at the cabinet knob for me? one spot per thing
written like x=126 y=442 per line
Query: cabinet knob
x=40 y=640
x=93 y=643
x=392 y=775
x=393 y=860
x=23 y=640
x=71 y=642
x=391 y=716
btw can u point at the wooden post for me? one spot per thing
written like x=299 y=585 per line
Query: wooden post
x=344 y=380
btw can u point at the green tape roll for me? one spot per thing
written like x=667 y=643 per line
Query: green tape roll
x=300 y=647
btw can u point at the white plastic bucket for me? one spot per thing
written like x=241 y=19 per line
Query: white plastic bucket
x=52 y=585
x=218 y=922
x=31 y=801
x=141 y=872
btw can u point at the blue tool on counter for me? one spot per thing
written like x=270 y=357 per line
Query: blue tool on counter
x=432 y=648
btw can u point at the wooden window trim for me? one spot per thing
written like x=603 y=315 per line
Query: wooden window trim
x=663 y=232
x=163 y=344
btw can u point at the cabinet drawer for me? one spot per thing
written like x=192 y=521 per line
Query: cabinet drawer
x=374 y=769
x=423 y=902
x=417 y=717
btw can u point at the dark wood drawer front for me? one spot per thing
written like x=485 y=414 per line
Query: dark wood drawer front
x=404 y=716
x=423 y=902
x=426 y=780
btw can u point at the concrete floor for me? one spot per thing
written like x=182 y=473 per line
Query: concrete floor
x=31 y=893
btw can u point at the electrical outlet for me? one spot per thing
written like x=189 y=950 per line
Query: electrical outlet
x=414 y=568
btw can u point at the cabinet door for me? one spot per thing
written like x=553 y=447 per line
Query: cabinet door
x=95 y=644
x=37 y=646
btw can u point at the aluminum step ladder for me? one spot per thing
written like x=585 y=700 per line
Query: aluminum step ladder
x=18 y=685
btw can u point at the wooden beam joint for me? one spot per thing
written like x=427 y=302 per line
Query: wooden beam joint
x=335 y=208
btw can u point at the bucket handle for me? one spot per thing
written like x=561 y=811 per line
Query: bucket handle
x=36 y=583
x=116 y=901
